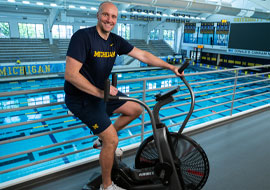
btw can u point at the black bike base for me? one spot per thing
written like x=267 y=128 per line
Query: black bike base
x=96 y=180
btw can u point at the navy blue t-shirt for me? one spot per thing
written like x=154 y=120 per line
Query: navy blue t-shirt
x=96 y=54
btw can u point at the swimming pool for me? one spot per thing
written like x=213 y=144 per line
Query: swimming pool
x=214 y=94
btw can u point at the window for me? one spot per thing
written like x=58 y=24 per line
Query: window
x=154 y=34
x=23 y=30
x=39 y=31
x=4 y=30
x=124 y=30
x=31 y=30
x=62 y=31
x=168 y=36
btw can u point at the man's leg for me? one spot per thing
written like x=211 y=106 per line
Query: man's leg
x=106 y=158
x=129 y=111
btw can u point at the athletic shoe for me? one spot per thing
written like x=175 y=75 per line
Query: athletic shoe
x=111 y=187
x=70 y=113
x=98 y=144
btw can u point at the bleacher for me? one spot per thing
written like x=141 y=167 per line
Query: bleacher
x=156 y=47
x=161 y=47
x=25 y=50
x=141 y=44
x=62 y=45
x=36 y=50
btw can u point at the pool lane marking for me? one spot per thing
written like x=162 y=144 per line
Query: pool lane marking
x=203 y=95
x=16 y=87
x=56 y=109
x=37 y=111
x=31 y=113
x=40 y=126
x=69 y=120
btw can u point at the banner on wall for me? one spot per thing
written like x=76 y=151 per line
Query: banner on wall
x=20 y=70
x=249 y=52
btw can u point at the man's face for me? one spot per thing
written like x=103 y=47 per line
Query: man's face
x=107 y=17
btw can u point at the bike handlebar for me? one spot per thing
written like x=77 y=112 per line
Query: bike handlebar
x=184 y=66
x=107 y=90
x=107 y=95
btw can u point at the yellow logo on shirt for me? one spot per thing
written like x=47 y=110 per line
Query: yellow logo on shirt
x=104 y=54
x=111 y=44
x=95 y=126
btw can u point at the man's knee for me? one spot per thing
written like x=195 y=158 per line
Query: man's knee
x=130 y=109
x=109 y=137
x=111 y=141
x=137 y=111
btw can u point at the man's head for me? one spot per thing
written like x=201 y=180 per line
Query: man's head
x=107 y=16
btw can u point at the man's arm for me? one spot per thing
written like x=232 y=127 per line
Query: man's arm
x=152 y=60
x=73 y=75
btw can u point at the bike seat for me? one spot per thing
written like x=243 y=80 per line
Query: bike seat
x=167 y=94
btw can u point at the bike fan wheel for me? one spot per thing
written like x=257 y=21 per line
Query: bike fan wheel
x=191 y=158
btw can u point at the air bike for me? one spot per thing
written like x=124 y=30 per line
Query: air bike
x=166 y=160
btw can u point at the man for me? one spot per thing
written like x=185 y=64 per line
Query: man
x=90 y=58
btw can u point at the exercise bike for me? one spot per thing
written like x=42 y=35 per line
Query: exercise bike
x=166 y=160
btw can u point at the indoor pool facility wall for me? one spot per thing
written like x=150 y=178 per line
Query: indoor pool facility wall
x=49 y=140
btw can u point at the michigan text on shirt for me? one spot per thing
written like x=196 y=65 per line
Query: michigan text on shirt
x=104 y=54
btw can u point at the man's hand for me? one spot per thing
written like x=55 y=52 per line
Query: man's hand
x=175 y=70
x=113 y=90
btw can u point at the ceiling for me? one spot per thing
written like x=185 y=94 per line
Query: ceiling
x=189 y=9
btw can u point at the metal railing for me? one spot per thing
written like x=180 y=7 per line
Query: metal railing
x=233 y=83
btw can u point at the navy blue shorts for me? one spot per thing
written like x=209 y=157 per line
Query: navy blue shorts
x=93 y=111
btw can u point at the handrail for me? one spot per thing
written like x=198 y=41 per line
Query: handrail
x=35 y=121
x=138 y=91
x=29 y=107
x=14 y=93
x=266 y=92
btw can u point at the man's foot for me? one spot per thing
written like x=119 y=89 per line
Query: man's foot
x=111 y=187
x=97 y=143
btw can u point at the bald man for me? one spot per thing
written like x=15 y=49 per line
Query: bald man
x=89 y=62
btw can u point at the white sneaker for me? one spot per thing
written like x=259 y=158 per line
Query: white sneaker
x=111 y=187
x=98 y=144
x=70 y=113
